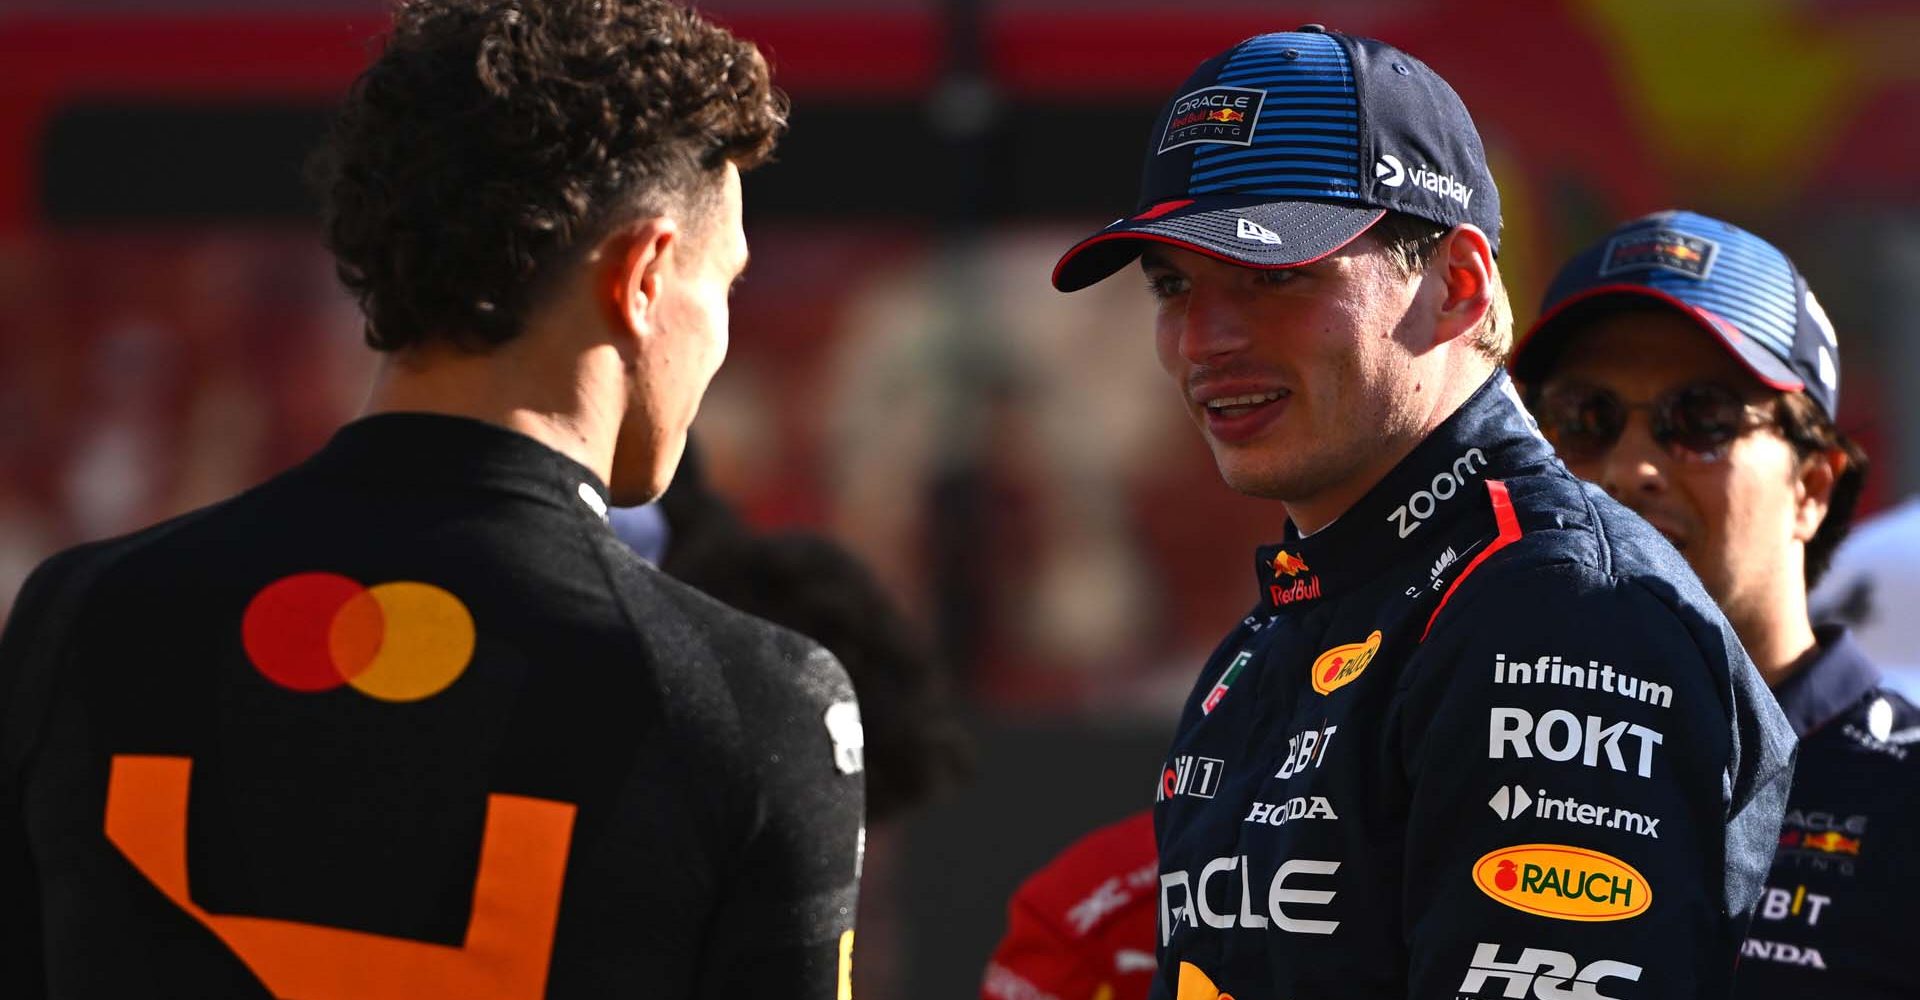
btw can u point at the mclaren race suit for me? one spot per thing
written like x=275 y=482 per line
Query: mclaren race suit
x=1484 y=736
x=409 y=721
x=1834 y=921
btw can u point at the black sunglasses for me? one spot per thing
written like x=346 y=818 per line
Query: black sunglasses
x=1696 y=421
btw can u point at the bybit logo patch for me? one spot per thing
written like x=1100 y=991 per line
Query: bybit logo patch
x=400 y=641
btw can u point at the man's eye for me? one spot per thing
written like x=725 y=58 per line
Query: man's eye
x=1166 y=285
x=1278 y=276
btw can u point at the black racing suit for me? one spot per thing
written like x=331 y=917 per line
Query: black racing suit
x=409 y=720
x=1833 y=921
x=1484 y=736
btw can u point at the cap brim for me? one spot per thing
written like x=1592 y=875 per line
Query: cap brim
x=1535 y=351
x=1250 y=232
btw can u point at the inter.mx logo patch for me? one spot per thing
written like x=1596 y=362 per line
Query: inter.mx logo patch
x=1515 y=803
x=1190 y=775
x=1541 y=974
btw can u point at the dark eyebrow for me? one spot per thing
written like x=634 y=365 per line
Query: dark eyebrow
x=1153 y=257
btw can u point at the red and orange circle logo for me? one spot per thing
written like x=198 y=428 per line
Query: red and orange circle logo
x=399 y=641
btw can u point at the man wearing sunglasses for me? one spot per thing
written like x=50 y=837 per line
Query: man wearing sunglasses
x=1683 y=365
x=1483 y=735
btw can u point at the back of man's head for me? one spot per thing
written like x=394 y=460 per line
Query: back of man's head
x=494 y=142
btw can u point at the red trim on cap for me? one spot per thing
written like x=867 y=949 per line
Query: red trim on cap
x=1203 y=251
x=1723 y=330
x=1163 y=208
x=1509 y=533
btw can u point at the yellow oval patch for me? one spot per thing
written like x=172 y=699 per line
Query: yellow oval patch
x=1563 y=883
x=1339 y=666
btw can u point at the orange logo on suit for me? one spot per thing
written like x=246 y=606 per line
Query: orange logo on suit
x=395 y=642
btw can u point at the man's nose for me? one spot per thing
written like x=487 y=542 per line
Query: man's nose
x=1636 y=464
x=1215 y=325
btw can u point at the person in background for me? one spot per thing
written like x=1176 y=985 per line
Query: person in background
x=408 y=720
x=916 y=746
x=1683 y=365
x=1873 y=588
x=1081 y=928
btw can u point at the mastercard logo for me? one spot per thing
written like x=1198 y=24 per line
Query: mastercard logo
x=400 y=641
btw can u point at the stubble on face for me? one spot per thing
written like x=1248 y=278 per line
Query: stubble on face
x=1337 y=335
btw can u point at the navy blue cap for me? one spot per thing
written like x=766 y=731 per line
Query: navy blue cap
x=1284 y=148
x=1737 y=286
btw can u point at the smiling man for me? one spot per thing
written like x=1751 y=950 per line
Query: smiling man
x=1483 y=734
x=1683 y=365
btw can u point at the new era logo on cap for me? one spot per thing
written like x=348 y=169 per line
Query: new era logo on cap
x=1251 y=230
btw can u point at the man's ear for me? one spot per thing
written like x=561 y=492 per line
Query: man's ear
x=1813 y=492
x=636 y=257
x=1463 y=264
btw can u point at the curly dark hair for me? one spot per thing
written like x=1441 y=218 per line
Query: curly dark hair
x=493 y=142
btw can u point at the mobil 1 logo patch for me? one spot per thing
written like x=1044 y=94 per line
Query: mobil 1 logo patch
x=1190 y=775
x=1658 y=248
x=1214 y=114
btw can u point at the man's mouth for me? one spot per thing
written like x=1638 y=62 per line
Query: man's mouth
x=1234 y=406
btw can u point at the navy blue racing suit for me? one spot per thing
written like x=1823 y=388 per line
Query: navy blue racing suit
x=1483 y=736
x=1833 y=921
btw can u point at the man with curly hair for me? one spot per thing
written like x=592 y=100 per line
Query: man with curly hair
x=409 y=720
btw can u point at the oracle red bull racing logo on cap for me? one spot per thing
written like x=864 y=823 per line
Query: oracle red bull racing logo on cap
x=1660 y=248
x=1563 y=883
x=1224 y=115
x=398 y=641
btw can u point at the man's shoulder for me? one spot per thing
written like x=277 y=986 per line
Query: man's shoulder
x=1572 y=561
x=1574 y=529
x=1882 y=726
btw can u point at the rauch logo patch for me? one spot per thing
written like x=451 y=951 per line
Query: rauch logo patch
x=1214 y=114
x=1563 y=883
x=1342 y=665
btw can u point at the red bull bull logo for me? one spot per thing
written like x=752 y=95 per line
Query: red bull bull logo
x=1227 y=115
x=1287 y=564
x=1832 y=842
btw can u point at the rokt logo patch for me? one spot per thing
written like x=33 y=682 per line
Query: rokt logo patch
x=1660 y=248
x=1225 y=115
x=1563 y=883
x=1342 y=665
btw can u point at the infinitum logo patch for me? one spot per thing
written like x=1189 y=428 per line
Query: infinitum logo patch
x=1224 y=115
